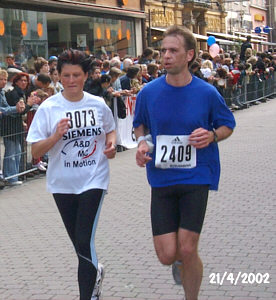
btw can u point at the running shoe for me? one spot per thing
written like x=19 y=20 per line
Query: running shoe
x=98 y=284
x=40 y=166
x=176 y=272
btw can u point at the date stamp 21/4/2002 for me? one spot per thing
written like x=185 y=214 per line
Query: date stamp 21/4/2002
x=240 y=277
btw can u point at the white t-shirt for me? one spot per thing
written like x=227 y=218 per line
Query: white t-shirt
x=76 y=162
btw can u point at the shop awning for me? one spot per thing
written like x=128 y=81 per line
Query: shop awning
x=71 y=7
x=226 y=35
x=199 y=37
x=250 y=34
x=268 y=43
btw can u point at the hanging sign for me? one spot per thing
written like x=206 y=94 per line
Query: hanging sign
x=2 y=28
x=39 y=29
x=24 y=28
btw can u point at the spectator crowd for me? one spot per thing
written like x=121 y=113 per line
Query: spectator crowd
x=237 y=76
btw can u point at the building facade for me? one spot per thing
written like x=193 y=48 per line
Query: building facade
x=31 y=28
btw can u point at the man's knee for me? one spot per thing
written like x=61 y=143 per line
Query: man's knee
x=166 y=257
x=187 y=246
x=165 y=247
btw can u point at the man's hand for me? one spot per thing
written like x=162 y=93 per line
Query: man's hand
x=142 y=157
x=201 y=138
x=20 y=106
x=110 y=150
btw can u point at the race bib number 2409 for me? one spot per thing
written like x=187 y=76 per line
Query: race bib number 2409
x=174 y=151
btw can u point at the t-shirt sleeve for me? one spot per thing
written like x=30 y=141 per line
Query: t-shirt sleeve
x=221 y=114
x=39 y=129
x=108 y=119
x=140 y=110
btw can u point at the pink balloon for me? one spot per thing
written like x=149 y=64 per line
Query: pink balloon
x=214 y=50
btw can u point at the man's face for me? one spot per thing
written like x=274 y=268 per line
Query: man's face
x=174 y=55
x=10 y=61
x=3 y=81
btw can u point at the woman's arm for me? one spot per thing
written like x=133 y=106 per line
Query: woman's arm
x=110 y=144
x=43 y=146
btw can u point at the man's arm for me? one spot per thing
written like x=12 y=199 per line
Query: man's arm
x=201 y=138
x=142 y=157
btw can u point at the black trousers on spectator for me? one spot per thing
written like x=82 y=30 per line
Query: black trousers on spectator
x=80 y=213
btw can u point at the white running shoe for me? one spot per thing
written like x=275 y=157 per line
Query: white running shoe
x=40 y=167
x=98 y=284
x=44 y=164
x=176 y=272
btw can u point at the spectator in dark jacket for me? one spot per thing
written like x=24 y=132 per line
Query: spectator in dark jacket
x=244 y=46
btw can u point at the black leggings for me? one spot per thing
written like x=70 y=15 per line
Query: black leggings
x=80 y=214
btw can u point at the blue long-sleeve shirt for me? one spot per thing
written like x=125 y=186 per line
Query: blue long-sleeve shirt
x=5 y=108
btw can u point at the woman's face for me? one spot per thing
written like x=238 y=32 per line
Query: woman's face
x=45 y=69
x=72 y=78
x=55 y=76
x=22 y=83
x=144 y=70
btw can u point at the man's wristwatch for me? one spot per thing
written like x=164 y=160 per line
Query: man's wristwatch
x=215 y=136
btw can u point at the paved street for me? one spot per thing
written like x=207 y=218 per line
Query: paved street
x=38 y=261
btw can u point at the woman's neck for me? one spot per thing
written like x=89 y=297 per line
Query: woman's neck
x=73 y=97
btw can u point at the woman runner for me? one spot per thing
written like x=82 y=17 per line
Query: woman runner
x=78 y=131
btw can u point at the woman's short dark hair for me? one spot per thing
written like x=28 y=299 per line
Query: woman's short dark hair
x=74 y=57
x=18 y=77
x=105 y=78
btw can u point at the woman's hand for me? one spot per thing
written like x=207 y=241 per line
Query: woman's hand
x=62 y=127
x=110 y=150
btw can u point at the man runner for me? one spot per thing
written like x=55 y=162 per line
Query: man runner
x=186 y=117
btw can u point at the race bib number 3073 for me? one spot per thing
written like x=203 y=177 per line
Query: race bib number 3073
x=174 y=151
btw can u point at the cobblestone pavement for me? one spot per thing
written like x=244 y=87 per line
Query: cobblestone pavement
x=38 y=261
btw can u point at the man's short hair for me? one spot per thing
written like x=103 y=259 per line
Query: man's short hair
x=190 y=42
x=44 y=78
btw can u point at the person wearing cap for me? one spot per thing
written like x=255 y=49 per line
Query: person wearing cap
x=52 y=61
x=10 y=61
x=11 y=74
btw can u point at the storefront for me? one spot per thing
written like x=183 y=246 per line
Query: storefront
x=46 y=27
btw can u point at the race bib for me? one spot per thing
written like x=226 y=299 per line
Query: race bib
x=82 y=118
x=174 y=151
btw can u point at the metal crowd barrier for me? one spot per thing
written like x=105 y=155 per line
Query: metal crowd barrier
x=255 y=88
x=251 y=89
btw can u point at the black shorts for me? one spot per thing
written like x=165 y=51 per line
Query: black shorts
x=177 y=206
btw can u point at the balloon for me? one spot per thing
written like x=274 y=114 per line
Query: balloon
x=214 y=50
x=211 y=40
